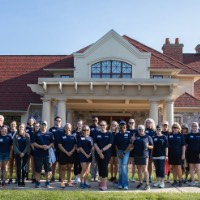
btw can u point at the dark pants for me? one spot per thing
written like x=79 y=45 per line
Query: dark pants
x=160 y=167
x=21 y=166
x=77 y=165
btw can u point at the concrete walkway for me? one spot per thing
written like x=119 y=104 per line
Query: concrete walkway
x=111 y=187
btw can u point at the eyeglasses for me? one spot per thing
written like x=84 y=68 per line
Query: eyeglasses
x=58 y=120
x=131 y=122
x=95 y=120
x=85 y=129
x=36 y=126
x=165 y=124
x=102 y=125
x=140 y=129
x=113 y=125
x=175 y=127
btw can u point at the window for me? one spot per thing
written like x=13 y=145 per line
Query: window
x=160 y=76
x=65 y=76
x=111 y=69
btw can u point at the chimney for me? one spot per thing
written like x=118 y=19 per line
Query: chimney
x=173 y=50
x=197 y=48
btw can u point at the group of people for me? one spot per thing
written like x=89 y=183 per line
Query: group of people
x=98 y=149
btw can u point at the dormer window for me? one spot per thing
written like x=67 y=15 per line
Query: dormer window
x=111 y=69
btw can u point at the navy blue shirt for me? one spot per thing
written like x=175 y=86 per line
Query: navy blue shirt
x=43 y=139
x=103 y=139
x=150 y=132
x=140 y=146
x=122 y=140
x=159 y=146
x=175 y=143
x=93 y=131
x=57 y=132
x=11 y=133
x=21 y=143
x=133 y=132
x=5 y=143
x=193 y=142
x=86 y=143
x=30 y=131
x=68 y=141
x=166 y=133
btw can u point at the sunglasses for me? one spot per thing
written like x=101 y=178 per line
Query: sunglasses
x=175 y=127
x=140 y=129
x=131 y=122
x=58 y=120
x=85 y=129
x=102 y=125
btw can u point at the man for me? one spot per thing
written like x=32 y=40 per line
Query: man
x=94 y=128
x=2 y=123
x=57 y=129
x=43 y=141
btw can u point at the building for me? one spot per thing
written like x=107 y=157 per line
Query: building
x=115 y=78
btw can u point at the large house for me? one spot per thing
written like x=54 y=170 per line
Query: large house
x=115 y=78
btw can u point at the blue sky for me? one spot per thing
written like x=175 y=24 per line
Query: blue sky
x=51 y=27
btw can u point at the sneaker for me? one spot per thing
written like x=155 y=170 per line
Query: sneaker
x=62 y=185
x=3 y=183
x=139 y=185
x=168 y=181
x=147 y=187
x=33 y=180
x=77 y=180
x=174 y=183
x=162 y=185
x=10 y=181
x=157 y=184
x=16 y=181
x=92 y=179
x=192 y=184
x=103 y=188
x=37 y=184
x=87 y=185
x=180 y=183
x=126 y=188
x=52 y=179
x=119 y=187
x=82 y=186
x=133 y=180
x=47 y=184
x=150 y=179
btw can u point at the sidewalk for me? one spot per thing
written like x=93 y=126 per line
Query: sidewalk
x=111 y=188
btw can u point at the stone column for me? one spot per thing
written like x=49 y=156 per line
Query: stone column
x=46 y=111
x=164 y=112
x=154 y=111
x=70 y=117
x=62 y=110
x=170 y=112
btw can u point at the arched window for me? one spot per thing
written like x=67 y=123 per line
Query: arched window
x=111 y=69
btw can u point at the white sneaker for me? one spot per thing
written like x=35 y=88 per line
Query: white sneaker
x=77 y=180
x=156 y=184
x=162 y=185
x=192 y=184
x=133 y=180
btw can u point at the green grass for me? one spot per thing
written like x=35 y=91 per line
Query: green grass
x=63 y=195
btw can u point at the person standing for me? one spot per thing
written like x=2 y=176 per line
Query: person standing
x=160 y=153
x=141 y=145
x=193 y=152
x=67 y=146
x=102 y=143
x=5 y=151
x=43 y=141
x=85 y=147
x=123 y=144
x=176 y=147
x=57 y=129
x=21 y=146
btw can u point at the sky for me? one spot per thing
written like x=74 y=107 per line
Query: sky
x=61 y=27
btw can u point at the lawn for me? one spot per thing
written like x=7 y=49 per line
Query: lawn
x=63 y=195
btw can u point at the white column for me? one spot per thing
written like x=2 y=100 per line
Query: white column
x=164 y=112
x=52 y=112
x=69 y=116
x=154 y=111
x=46 y=111
x=170 y=112
x=62 y=110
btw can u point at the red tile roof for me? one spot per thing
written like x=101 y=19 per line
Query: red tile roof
x=187 y=100
x=192 y=60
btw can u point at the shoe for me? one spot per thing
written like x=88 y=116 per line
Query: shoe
x=59 y=179
x=133 y=180
x=23 y=184
x=162 y=185
x=10 y=181
x=180 y=183
x=139 y=185
x=103 y=188
x=126 y=188
x=87 y=185
x=147 y=187
x=174 y=183
x=77 y=180
x=33 y=180
x=19 y=184
x=69 y=184
x=62 y=185
x=192 y=184
x=185 y=181
x=52 y=179
x=37 y=184
x=119 y=187
x=157 y=184
x=16 y=181
x=111 y=179
x=3 y=183
x=168 y=181
x=92 y=179
x=47 y=184
x=27 y=176
x=150 y=179
x=82 y=186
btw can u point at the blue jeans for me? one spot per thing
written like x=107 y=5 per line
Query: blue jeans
x=123 y=169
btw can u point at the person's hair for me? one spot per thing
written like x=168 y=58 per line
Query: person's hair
x=116 y=126
x=196 y=123
x=103 y=121
x=57 y=117
x=177 y=125
x=141 y=126
x=5 y=128
x=24 y=134
x=153 y=126
x=68 y=125
x=13 y=122
x=85 y=127
x=1 y=116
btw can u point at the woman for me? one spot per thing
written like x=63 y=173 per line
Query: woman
x=67 y=146
x=5 y=151
x=113 y=161
x=150 y=128
x=193 y=152
x=123 y=144
x=85 y=147
x=176 y=147
x=160 y=153
x=103 y=141
x=12 y=132
x=21 y=146
x=141 y=144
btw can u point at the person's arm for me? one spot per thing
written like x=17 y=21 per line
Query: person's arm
x=183 y=152
x=15 y=146
x=60 y=146
x=150 y=144
x=82 y=151
x=27 y=149
x=73 y=150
